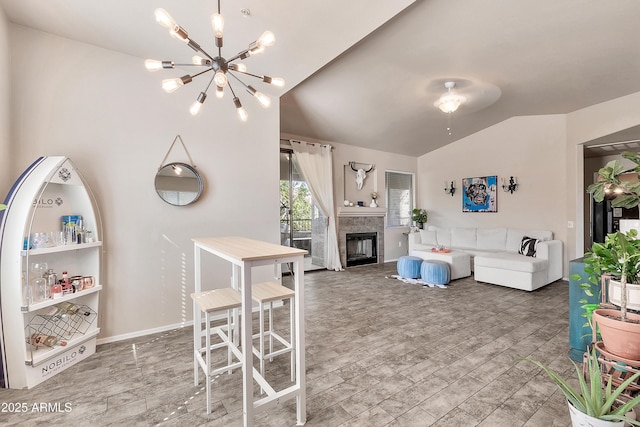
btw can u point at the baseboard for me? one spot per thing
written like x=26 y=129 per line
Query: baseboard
x=165 y=328
x=144 y=332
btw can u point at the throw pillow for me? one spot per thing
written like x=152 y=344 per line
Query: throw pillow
x=528 y=246
x=428 y=237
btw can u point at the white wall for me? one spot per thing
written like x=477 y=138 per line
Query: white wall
x=395 y=243
x=530 y=148
x=5 y=108
x=109 y=115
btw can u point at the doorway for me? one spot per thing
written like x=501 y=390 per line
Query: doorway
x=302 y=224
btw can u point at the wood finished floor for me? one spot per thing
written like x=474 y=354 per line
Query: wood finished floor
x=379 y=353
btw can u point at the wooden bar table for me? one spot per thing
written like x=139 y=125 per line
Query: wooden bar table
x=244 y=254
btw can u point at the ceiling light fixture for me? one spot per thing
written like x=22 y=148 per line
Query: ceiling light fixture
x=450 y=101
x=220 y=67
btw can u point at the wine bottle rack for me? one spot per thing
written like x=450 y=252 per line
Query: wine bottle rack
x=67 y=321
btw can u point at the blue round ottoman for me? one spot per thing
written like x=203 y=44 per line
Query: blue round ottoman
x=435 y=272
x=409 y=267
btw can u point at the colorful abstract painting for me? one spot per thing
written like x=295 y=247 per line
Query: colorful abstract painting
x=480 y=194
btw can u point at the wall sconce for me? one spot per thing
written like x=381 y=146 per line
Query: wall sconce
x=449 y=190
x=513 y=185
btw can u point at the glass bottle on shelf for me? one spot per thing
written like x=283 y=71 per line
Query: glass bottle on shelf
x=52 y=279
x=38 y=282
x=38 y=289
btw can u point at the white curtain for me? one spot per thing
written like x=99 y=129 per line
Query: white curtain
x=315 y=162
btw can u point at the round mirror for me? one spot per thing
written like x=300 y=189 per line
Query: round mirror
x=178 y=184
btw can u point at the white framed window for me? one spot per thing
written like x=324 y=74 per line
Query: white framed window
x=399 y=192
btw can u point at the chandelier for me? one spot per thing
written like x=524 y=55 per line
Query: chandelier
x=450 y=101
x=221 y=69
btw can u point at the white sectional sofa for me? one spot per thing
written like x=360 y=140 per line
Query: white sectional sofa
x=494 y=254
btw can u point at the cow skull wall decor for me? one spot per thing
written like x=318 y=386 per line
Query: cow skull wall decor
x=361 y=173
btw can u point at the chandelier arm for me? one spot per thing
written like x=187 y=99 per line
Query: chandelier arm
x=209 y=84
x=242 y=55
x=200 y=73
x=202 y=51
x=250 y=74
x=191 y=65
x=236 y=77
x=231 y=89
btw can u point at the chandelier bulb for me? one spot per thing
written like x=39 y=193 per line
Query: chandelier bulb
x=219 y=92
x=199 y=60
x=255 y=49
x=242 y=113
x=171 y=85
x=195 y=107
x=276 y=81
x=152 y=65
x=220 y=78
x=240 y=67
x=264 y=100
x=217 y=22
x=266 y=39
x=163 y=18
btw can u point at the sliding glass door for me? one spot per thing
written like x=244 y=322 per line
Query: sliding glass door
x=302 y=225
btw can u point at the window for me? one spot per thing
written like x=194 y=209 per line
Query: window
x=399 y=187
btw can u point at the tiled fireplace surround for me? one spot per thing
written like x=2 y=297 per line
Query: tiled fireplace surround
x=355 y=222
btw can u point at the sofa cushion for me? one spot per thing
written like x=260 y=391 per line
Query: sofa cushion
x=443 y=235
x=463 y=238
x=515 y=235
x=428 y=237
x=492 y=239
x=528 y=246
x=511 y=261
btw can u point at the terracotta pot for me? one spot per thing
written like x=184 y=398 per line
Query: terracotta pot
x=620 y=338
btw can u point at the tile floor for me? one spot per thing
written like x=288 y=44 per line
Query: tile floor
x=379 y=353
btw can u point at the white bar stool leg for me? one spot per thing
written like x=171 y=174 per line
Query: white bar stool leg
x=292 y=337
x=261 y=338
x=270 y=330
x=208 y=360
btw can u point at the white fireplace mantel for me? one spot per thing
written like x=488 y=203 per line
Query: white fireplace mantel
x=361 y=211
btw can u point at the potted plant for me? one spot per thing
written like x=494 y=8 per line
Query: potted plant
x=419 y=216
x=595 y=404
x=618 y=256
x=611 y=182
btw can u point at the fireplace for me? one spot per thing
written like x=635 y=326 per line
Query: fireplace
x=362 y=248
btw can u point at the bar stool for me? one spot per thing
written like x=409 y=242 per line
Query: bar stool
x=209 y=302
x=266 y=293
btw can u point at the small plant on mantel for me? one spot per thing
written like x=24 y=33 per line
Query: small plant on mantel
x=419 y=216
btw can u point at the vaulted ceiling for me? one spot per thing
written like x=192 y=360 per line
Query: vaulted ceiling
x=545 y=57
x=509 y=58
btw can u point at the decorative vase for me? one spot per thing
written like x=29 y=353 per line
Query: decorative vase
x=580 y=419
x=420 y=225
x=633 y=294
x=620 y=338
x=373 y=204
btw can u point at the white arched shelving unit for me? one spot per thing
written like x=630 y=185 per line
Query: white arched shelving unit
x=42 y=336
